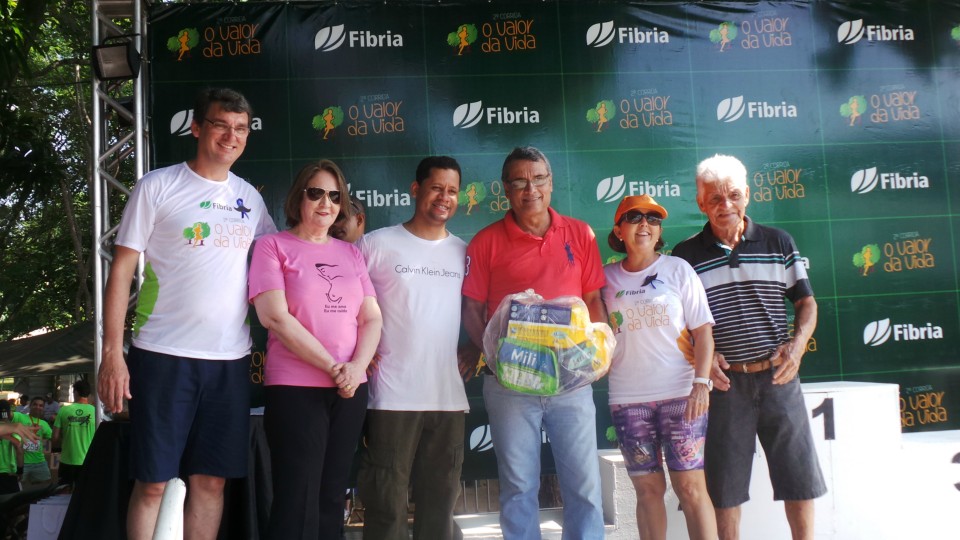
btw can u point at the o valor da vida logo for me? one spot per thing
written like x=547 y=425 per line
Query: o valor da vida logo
x=468 y=115
x=331 y=38
x=851 y=32
x=734 y=108
x=892 y=103
x=504 y=32
x=764 y=30
x=778 y=181
x=905 y=252
x=877 y=333
x=229 y=36
x=644 y=108
x=375 y=114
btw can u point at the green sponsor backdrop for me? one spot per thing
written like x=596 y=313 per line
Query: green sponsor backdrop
x=847 y=115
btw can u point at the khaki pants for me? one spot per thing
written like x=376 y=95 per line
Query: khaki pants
x=422 y=448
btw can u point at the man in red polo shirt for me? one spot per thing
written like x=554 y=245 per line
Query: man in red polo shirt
x=534 y=247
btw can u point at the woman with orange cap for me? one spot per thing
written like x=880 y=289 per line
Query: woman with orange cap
x=659 y=397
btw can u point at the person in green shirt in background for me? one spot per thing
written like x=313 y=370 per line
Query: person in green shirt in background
x=36 y=473
x=10 y=455
x=73 y=431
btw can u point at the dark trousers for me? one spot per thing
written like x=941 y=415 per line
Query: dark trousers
x=68 y=473
x=425 y=447
x=313 y=435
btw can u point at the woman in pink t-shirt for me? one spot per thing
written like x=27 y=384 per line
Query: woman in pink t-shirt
x=313 y=295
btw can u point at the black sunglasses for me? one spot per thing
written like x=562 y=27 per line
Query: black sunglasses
x=316 y=193
x=633 y=217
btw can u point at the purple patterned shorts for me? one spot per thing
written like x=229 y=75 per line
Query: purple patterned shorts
x=643 y=429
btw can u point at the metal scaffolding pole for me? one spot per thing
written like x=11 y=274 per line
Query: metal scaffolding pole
x=119 y=153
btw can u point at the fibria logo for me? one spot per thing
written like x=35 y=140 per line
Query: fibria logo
x=468 y=115
x=180 y=123
x=879 y=332
x=331 y=38
x=374 y=198
x=850 y=32
x=602 y=34
x=613 y=189
x=866 y=180
x=731 y=109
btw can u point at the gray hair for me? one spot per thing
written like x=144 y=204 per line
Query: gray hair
x=523 y=153
x=721 y=167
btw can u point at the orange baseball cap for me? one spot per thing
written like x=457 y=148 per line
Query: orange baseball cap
x=644 y=203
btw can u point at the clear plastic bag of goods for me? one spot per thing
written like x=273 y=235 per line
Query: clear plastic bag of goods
x=546 y=347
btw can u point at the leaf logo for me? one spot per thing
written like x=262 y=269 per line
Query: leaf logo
x=864 y=181
x=876 y=333
x=611 y=189
x=600 y=34
x=730 y=109
x=480 y=439
x=850 y=32
x=468 y=115
x=205 y=205
x=329 y=38
x=180 y=123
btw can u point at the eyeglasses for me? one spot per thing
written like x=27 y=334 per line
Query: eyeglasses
x=223 y=127
x=315 y=194
x=520 y=184
x=633 y=217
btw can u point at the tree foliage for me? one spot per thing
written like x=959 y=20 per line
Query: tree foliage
x=44 y=165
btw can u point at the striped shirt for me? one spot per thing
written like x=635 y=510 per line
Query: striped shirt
x=746 y=287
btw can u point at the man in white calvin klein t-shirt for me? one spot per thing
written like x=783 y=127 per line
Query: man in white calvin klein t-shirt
x=415 y=420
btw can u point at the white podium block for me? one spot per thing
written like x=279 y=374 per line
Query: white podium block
x=856 y=431
x=930 y=498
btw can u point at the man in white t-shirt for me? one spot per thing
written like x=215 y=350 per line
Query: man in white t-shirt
x=187 y=373
x=417 y=402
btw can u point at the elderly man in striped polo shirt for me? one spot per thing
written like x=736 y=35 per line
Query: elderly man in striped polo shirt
x=747 y=270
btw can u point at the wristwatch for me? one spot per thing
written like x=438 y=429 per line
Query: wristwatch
x=704 y=380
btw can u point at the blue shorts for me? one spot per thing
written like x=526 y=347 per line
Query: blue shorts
x=188 y=416
x=646 y=429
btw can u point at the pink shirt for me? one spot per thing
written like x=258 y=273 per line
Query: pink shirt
x=324 y=285
x=502 y=259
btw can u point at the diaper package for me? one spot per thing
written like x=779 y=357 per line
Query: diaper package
x=546 y=347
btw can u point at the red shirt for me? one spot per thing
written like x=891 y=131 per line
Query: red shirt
x=502 y=259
